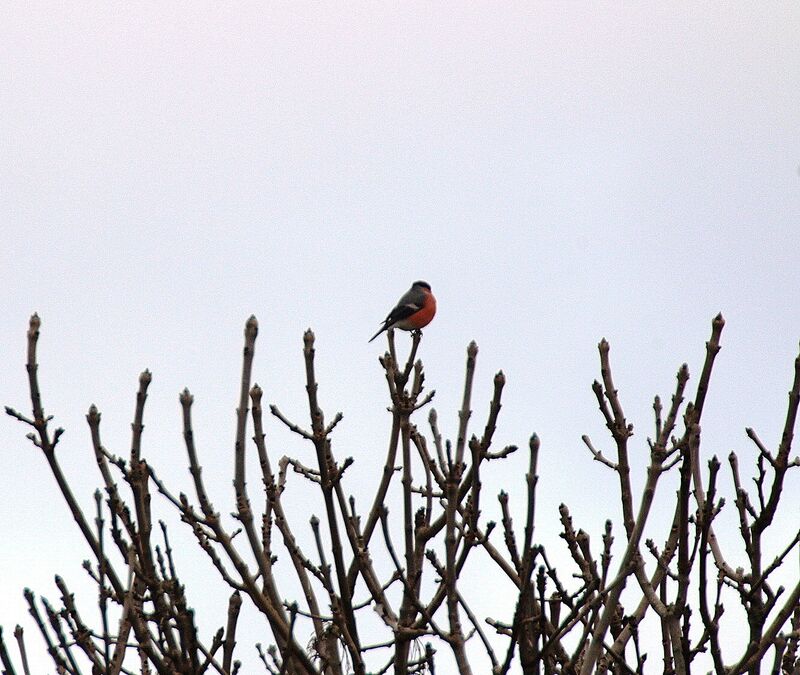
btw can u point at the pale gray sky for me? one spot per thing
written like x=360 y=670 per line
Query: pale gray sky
x=558 y=172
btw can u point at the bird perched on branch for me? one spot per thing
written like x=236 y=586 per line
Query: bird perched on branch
x=413 y=311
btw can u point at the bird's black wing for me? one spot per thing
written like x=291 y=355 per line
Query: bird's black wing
x=402 y=312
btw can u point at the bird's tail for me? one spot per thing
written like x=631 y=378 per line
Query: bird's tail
x=383 y=328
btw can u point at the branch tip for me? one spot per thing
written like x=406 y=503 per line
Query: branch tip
x=251 y=327
x=93 y=416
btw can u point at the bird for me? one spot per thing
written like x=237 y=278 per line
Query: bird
x=413 y=311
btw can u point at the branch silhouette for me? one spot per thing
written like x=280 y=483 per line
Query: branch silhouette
x=592 y=613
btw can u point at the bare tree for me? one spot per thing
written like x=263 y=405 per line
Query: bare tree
x=555 y=624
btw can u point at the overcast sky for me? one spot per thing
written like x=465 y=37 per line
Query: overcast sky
x=558 y=172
